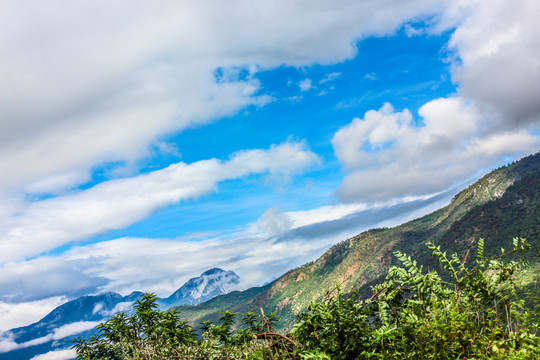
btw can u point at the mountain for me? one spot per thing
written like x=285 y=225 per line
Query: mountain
x=500 y=206
x=210 y=284
x=80 y=316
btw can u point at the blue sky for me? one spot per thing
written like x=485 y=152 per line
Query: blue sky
x=143 y=144
x=417 y=73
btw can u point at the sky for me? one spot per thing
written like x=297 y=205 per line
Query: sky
x=142 y=143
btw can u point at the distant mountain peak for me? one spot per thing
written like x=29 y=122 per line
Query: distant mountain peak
x=209 y=284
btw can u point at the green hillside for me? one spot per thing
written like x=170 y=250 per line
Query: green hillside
x=501 y=205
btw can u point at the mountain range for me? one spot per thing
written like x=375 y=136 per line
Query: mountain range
x=498 y=207
x=80 y=316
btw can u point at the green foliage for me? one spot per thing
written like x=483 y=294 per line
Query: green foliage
x=151 y=334
x=468 y=312
x=418 y=315
x=147 y=333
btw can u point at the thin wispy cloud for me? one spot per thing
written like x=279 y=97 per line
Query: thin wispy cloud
x=115 y=204
x=330 y=77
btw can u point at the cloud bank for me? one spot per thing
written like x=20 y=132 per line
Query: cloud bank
x=64 y=331
x=496 y=56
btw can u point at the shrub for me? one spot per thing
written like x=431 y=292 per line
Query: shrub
x=467 y=313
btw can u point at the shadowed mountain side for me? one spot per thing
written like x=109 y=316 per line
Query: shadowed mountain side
x=501 y=205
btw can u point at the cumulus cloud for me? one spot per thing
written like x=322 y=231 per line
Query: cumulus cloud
x=273 y=222
x=387 y=156
x=493 y=116
x=305 y=85
x=50 y=223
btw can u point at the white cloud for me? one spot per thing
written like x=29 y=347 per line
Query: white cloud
x=57 y=355
x=24 y=313
x=41 y=278
x=329 y=77
x=273 y=222
x=370 y=76
x=64 y=331
x=120 y=307
x=168 y=263
x=92 y=82
x=262 y=251
x=497 y=56
x=97 y=308
x=387 y=156
x=305 y=85
x=493 y=115
x=71 y=329
x=47 y=224
x=324 y=213
x=411 y=31
x=7 y=343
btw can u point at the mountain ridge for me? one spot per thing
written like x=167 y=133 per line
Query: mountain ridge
x=363 y=260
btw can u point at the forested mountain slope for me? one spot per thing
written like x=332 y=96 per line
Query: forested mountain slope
x=501 y=205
